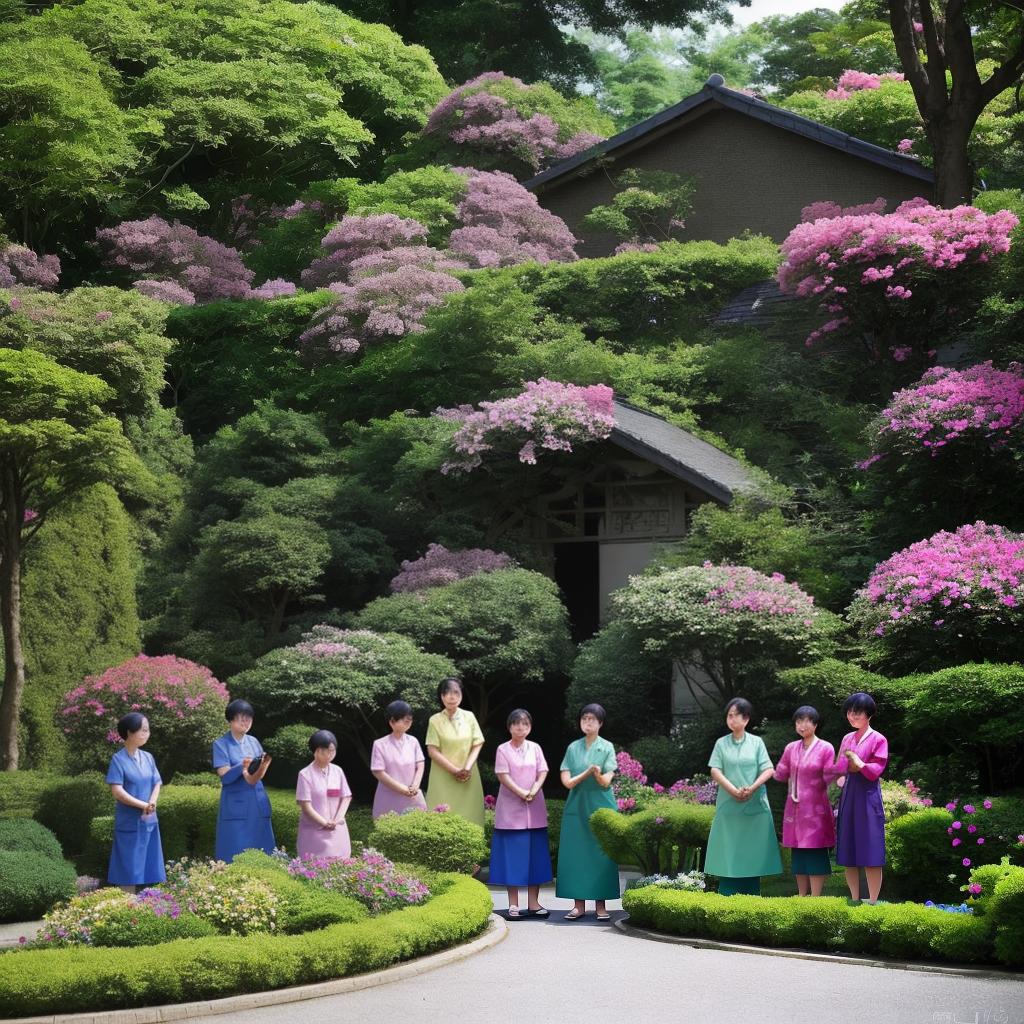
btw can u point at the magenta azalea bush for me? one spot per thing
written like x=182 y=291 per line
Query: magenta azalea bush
x=951 y=407
x=632 y=792
x=369 y=878
x=182 y=700
x=850 y=82
x=355 y=237
x=892 y=281
x=961 y=592
x=545 y=416
x=440 y=566
x=19 y=265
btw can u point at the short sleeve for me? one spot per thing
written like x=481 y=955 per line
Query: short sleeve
x=477 y=732
x=221 y=758
x=764 y=762
x=715 y=761
x=419 y=751
x=115 y=773
x=542 y=764
x=501 y=765
x=433 y=736
x=566 y=765
x=303 y=790
x=609 y=762
x=259 y=747
x=345 y=791
x=377 y=758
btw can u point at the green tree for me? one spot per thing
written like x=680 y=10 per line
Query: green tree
x=648 y=208
x=55 y=440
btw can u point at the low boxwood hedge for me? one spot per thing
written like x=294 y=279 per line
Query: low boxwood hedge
x=69 y=803
x=908 y=931
x=21 y=791
x=50 y=981
x=23 y=835
x=30 y=884
x=658 y=839
x=442 y=842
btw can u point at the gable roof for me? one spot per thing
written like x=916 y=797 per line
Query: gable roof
x=716 y=92
x=678 y=452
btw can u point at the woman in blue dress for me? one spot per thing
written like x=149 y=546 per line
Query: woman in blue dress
x=137 y=857
x=243 y=822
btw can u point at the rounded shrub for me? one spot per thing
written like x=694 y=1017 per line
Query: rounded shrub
x=439 y=841
x=30 y=885
x=23 y=835
x=660 y=839
x=661 y=756
x=69 y=805
x=290 y=745
x=1006 y=911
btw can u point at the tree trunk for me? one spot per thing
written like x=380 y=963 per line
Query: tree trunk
x=954 y=177
x=10 y=619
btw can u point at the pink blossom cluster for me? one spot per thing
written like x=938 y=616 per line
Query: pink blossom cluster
x=370 y=878
x=355 y=237
x=248 y=217
x=325 y=641
x=946 y=405
x=19 y=265
x=630 y=768
x=440 y=566
x=850 y=82
x=738 y=589
x=489 y=124
x=275 y=288
x=503 y=224
x=961 y=835
x=546 y=415
x=861 y=266
x=976 y=569
x=826 y=209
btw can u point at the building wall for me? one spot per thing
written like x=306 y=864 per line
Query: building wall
x=750 y=176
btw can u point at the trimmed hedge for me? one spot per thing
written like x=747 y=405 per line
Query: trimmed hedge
x=658 y=839
x=30 y=885
x=1006 y=913
x=441 y=842
x=50 y=981
x=906 y=931
x=69 y=804
x=23 y=835
x=21 y=791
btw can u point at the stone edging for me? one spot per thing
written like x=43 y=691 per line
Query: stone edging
x=634 y=931
x=496 y=930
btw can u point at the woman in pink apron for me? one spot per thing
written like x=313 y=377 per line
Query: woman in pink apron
x=323 y=795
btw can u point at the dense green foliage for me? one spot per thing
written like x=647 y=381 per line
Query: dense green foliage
x=27 y=836
x=661 y=838
x=31 y=884
x=441 y=841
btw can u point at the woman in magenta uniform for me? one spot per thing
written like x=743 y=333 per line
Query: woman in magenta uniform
x=323 y=796
x=860 y=825
x=808 y=827
x=519 y=849
x=397 y=763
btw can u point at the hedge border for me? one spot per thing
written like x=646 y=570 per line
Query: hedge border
x=58 y=981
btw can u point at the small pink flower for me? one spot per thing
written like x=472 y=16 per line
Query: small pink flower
x=987 y=804
x=968 y=808
x=956 y=824
x=966 y=862
x=972 y=829
x=957 y=842
x=981 y=840
x=951 y=807
x=974 y=889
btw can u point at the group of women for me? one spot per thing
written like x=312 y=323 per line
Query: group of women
x=742 y=846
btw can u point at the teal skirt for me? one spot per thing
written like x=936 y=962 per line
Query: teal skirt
x=811 y=862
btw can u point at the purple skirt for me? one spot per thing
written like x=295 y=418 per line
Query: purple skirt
x=860 y=825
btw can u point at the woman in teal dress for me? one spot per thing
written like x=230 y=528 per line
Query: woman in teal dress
x=585 y=871
x=742 y=846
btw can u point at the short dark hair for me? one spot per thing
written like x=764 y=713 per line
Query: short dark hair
x=321 y=739
x=449 y=684
x=519 y=715
x=742 y=705
x=860 y=702
x=806 y=711
x=397 y=709
x=238 y=707
x=594 y=709
x=132 y=722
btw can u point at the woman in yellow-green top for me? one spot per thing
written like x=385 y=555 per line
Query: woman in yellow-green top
x=454 y=742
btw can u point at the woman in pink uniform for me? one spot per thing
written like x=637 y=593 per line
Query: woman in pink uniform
x=397 y=764
x=323 y=795
x=519 y=849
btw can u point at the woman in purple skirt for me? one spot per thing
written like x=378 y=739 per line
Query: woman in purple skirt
x=863 y=755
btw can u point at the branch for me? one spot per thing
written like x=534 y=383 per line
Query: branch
x=1005 y=75
x=901 y=22
x=171 y=167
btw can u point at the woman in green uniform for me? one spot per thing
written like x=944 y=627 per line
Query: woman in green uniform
x=585 y=871
x=742 y=846
x=454 y=742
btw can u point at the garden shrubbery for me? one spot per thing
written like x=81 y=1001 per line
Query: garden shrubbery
x=660 y=839
x=31 y=884
x=26 y=836
x=440 y=841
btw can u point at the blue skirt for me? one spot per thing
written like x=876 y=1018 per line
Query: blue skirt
x=137 y=856
x=520 y=856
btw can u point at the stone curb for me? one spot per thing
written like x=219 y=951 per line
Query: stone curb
x=496 y=930
x=636 y=932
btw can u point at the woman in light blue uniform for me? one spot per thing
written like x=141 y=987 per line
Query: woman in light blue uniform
x=137 y=857
x=243 y=822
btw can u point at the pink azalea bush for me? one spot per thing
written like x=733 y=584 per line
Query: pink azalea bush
x=960 y=587
x=632 y=792
x=545 y=416
x=355 y=237
x=20 y=266
x=827 y=209
x=182 y=700
x=440 y=566
x=503 y=224
x=949 y=407
x=370 y=878
x=892 y=280
x=276 y=288
x=850 y=82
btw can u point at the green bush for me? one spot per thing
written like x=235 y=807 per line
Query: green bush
x=21 y=792
x=207 y=779
x=661 y=757
x=905 y=931
x=290 y=745
x=67 y=807
x=825 y=685
x=661 y=839
x=30 y=885
x=1006 y=912
x=22 y=835
x=81 y=980
x=442 y=842
x=128 y=926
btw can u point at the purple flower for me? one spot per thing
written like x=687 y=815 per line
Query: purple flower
x=968 y=808
x=987 y=804
x=966 y=862
x=440 y=566
x=957 y=842
x=981 y=840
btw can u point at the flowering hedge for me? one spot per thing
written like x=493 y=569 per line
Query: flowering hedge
x=182 y=700
x=957 y=591
x=369 y=878
x=440 y=566
x=545 y=416
x=851 y=81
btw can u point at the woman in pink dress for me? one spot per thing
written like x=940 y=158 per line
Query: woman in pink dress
x=397 y=764
x=808 y=826
x=519 y=848
x=323 y=795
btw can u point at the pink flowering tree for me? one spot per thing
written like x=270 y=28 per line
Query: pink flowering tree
x=182 y=700
x=355 y=237
x=440 y=566
x=850 y=82
x=723 y=624
x=956 y=597
x=893 y=283
x=503 y=224
x=20 y=266
x=546 y=416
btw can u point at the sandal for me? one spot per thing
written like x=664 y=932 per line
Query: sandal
x=574 y=914
x=603 y=917
x=539 y=912
x=513 y=912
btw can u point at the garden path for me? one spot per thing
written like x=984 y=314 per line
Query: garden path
x=561 y=972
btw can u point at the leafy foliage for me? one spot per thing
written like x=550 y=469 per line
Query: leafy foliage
x=439 y=841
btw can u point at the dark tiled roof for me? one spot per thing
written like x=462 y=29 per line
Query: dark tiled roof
x=679 y=452
x=716 y=91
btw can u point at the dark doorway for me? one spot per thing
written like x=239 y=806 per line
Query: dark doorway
x=577 y=572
